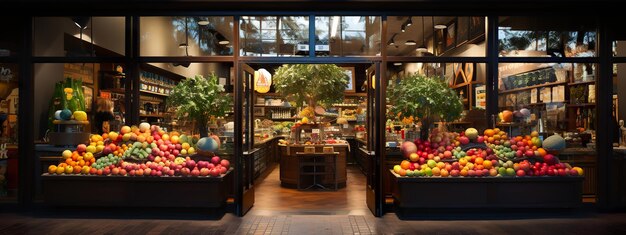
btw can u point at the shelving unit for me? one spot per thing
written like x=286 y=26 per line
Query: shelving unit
x=531 y=87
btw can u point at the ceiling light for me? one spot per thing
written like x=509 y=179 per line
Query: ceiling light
x=81 y=21
x=440 y=26
x=403 y=28
x=397 y=63
x=182 y=45
x=409 y=22
x=204 y=22
x=422 y=48
x=410 y=43
x=392 y=40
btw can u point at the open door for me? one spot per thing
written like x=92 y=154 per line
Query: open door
x=374 y=193
x=244 y=140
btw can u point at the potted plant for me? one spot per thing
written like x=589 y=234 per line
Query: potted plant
x=427 y=98
x=312 y=84
x=199 y=99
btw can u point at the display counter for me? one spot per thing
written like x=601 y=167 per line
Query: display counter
x=585 y=158
x=290 y=162
x=124 y=191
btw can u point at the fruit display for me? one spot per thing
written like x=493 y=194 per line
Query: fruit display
x=492 y=154
x=146 y=150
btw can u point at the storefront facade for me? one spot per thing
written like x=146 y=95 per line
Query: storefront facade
x=482 y=47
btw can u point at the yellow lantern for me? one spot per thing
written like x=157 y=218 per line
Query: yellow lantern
x=262 y=81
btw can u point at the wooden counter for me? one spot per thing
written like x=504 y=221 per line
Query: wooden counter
x=289 y=163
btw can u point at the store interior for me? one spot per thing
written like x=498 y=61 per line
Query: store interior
x=285 y=119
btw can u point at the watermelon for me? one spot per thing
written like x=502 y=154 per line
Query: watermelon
x=207 y=144
x=66 y=114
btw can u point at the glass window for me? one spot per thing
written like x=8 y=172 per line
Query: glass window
x=445 y=36
x=94 y=86
x=186 y=36
x=466 y=79
x=9 y=92
x=79 y=36
x=619 y=105
x=274 y=36
x=11 y=39
x=560 y=95
x=619 y=48
x=347 y=35
x=547 y=36
x=158 y=80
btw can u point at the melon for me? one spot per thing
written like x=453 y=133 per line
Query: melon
x=408 y=148
x=80 y=116
x=66 y=114
x=57 y=115
x=471 y=133
x=183 y=139
x=144 y=126
x=554 y=143
x=525 y=112
x=207 y=144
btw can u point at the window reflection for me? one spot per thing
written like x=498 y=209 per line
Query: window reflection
x=347 y=35
x=274 y=36
x=524 y=36
x=186 y=36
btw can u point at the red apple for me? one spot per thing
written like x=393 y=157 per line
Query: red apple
x=195 y=172
x=81 y=148
x=123 y=172
x=147 y=171
x=454 y=173
x=215 y=160
x=521 y=173
x=214 y=172
x=204 y=171
x=106 y=171
x=550 y=159
x=562 y=172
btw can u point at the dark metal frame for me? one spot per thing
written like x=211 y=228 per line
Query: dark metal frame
x=133 y=59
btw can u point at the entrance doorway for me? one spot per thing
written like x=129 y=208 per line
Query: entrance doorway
x=271 y=177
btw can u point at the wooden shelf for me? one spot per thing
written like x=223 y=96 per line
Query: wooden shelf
x=581 y=105
x=115 y=90
x=356 y=94
x=581 y=83
x=151 y=115
x=154 y=93
x=531 y=87
x=273 y=106
x=465 y=84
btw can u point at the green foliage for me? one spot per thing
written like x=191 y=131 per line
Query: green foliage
x=424 y=97
x=311 y=83
x=200 y=98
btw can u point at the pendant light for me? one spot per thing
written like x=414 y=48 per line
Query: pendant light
x=392 y=41
x=184 y=45
x=422 y=48
x=409 y=22
x=410 y=42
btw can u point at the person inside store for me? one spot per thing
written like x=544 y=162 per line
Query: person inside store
x=104 y=115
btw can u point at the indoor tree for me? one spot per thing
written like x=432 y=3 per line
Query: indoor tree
x=312 y=84
x=199 y=98
x=427 y=98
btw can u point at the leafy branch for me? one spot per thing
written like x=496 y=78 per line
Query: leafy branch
x=311 y=83
x=199 y=98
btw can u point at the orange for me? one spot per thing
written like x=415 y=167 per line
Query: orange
x=463 y=172
x=81 y=162
x=496 y=137
x=542 y=152
x=68 y=161
x=462 y=161
x=436 y=171
x=444 y=173
x=405 y=164
x=487 y=164
x=496 y=130
x=534 y=134
x=52 y=169
x=441 y=165
x=489 y=132
x=402 y=172
x=62 y=165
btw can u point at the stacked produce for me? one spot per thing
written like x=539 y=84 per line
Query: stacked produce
x=468 y=154
x=142 y=151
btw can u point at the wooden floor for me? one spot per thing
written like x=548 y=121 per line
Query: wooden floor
x=271 y=198
x=287 y=211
